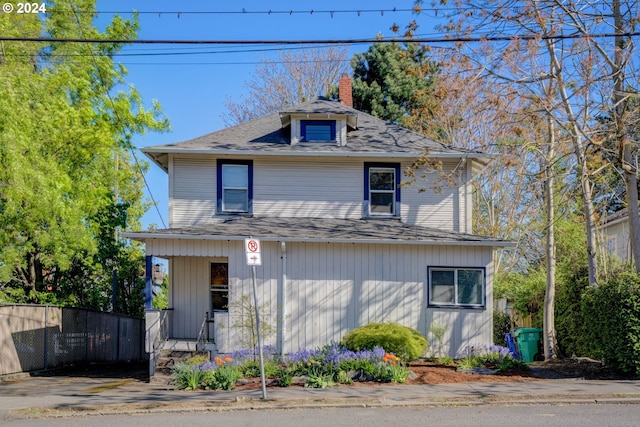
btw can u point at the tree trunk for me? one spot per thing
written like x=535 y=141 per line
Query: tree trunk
x=549 y=329
x=628 y=165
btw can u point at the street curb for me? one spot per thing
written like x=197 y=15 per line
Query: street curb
x=70 y=413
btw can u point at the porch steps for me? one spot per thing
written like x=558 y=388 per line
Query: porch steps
x=174 y=352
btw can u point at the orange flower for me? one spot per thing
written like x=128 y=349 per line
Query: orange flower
x=218 y=361
x=228 y=359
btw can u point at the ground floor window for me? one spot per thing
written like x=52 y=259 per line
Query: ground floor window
x=457 y=287
x=219 y=287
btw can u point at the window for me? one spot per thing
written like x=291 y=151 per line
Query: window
x=462 y=287
x=219 y=287
x=381 y=190
x=235 y=186
x=317 y=130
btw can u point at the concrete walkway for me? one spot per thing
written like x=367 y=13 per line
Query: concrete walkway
x=60 y=396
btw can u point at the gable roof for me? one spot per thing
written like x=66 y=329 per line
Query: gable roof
x=332 y=230
x=271 y=135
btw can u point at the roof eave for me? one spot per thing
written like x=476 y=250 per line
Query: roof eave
x=143 y=236
x=159 y=155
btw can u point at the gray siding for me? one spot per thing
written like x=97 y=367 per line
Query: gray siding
x=323 y=188
x=330 y=289
x=317 y=188
x=192 y=188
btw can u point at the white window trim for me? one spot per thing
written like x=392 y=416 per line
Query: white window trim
x=246 y=189
x=392 y=192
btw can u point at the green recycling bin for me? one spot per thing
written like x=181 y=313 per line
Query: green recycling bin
x=527 y=339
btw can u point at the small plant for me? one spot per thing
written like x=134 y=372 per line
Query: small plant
x=224 y=378
x=198 y=359
x=343 y=377
x=446 y=360
x=438 y=331
x=509 y=364
x=187 y=376
x=497 y=357
x=246 y=322
x=319 y=381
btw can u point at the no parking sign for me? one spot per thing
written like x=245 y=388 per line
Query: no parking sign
x=252 y=250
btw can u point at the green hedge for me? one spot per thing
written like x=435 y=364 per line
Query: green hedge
x=612 y=315
x=404 y=342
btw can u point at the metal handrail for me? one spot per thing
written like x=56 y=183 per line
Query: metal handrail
x=202 y=335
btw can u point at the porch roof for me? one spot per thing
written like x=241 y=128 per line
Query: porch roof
x=331 y=230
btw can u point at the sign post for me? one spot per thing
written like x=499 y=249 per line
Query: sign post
x=252 y=250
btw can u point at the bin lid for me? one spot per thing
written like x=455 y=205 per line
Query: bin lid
x=521 y=331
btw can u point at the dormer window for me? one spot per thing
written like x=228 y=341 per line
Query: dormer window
x=317 y=130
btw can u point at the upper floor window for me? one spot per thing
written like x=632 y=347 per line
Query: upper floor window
x=317 y=130
x=462 y=287
x=381 y=189
x=235 y=186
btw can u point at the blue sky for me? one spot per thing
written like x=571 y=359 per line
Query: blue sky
x=192 y=88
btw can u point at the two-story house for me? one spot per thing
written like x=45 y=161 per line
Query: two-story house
x=343 y=241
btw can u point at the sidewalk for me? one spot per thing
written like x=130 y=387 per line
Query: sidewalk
x=61 y=396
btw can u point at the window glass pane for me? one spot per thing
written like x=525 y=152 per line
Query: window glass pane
x=235 y=200
x=236 y=176
x=219 y=286
x=469 y=287
x=382 y=179
x=382 y=203
x=442 y=287
x=318 y=132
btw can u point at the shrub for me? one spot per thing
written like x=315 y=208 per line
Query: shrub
x=501 y=326
x=404 y=342
x=612 y=313
x=571 y=325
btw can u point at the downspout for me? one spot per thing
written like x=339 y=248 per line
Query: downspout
x=282 y=301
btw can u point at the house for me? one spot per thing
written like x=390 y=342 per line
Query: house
x=614 y=236
x=343 y=241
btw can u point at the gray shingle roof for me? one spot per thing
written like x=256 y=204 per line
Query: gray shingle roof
x=319 y=230
x=267 y=135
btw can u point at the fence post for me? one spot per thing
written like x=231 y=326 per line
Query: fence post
x=86 y=336
x=118 y=340
x=46 y=336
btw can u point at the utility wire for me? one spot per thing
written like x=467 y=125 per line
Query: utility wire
x=325 y=41
x=244 y=11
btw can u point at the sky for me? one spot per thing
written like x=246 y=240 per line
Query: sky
x=192 y=83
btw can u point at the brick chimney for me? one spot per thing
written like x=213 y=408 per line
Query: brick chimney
x=344 y=90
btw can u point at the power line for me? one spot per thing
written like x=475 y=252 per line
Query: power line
x=324 y=41
x=244 y=11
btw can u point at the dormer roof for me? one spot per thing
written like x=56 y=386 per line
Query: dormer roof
x=327 y=110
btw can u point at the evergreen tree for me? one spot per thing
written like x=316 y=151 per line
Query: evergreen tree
x=392 y=80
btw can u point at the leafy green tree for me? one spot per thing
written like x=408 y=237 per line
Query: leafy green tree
x=66 y=128
x=161 y=300
x=391 y=80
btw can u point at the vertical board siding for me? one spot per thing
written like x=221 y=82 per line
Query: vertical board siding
x=193 y=197
x=331 y=289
